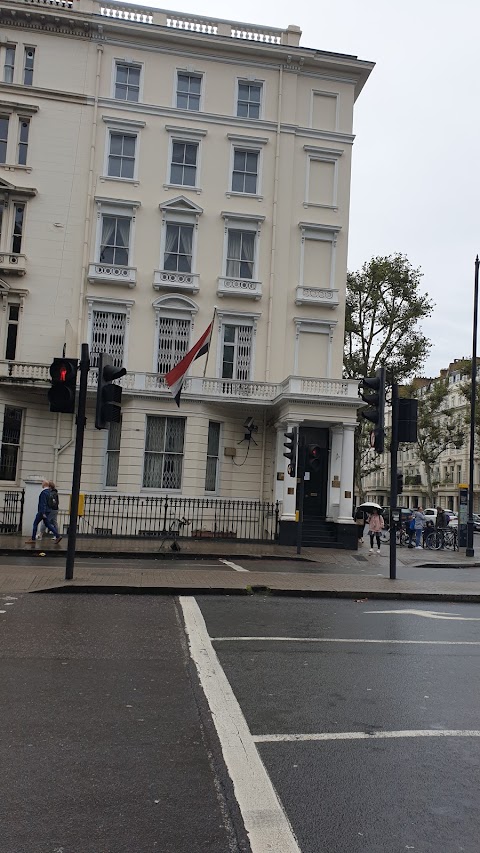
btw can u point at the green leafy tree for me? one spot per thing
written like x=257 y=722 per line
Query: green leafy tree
x=384 y=310
x=440 y=427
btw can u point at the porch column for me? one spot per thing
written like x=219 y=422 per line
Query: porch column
x=346 y=481
x=289 y=497
x=335 y=472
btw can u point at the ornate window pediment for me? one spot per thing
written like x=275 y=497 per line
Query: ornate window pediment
x=181 y=204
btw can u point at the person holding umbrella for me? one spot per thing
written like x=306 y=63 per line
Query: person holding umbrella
x=375 y=527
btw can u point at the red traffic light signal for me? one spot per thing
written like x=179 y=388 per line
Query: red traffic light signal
x=314 y=457
x=61 y=395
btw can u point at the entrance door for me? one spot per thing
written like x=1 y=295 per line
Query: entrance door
x=315 y=496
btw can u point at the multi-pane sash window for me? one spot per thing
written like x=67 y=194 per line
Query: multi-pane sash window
x=121 y=158
x=249 y=100
x=3 y=138
x=188 y=91
x=127 y=82
x=23 y=131
x=28 y=66
x=245 y=171
x=113 y=453
x=236 y=352
x=18 y=217
x=173 y=342
x=108 y=335
x=11 y=433
x=115 y=242
x=9 y=65
x=12 y=332
x=164 y=444
x=178 y=248
x=240 y=253
x=183 y=169
x=213 y=447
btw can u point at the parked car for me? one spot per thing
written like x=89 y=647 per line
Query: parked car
x=476 y=522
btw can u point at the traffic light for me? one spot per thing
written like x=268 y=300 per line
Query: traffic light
x=61 y=395
x=291 y=444
x=109 y=396
x=407 y=419
x=314 y=457
x=373 y=393
x=399 y=484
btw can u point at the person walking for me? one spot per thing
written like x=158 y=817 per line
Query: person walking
x=360 y=522
x=419 y=525
x=375 y=526
x=43 y=511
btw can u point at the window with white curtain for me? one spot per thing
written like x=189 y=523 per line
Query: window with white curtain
x=213 y=451
x=173 y=341
x=178 y=247
x=115 y=240
x=240 y=253
x=236 y=342
x=163 y=457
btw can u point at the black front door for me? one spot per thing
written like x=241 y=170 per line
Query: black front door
x=315 y=496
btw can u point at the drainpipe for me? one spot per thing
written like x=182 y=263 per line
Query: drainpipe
x=262 y=461
x=274 y=225
x=88 y=213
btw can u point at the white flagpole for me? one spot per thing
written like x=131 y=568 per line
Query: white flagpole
x=211 y=336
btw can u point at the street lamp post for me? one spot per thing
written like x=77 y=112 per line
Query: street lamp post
x=470 y=552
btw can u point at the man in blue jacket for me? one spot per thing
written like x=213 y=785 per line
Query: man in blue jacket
x=43 y=515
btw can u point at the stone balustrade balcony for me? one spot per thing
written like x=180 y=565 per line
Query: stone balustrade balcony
x=112 y=273
x=246 y=287
x=12 y=262
x=201 y=388
x=316 y=296
x=187 y=282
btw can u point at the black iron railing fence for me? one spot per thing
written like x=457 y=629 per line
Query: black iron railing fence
x=196 y=518
x=11 y=511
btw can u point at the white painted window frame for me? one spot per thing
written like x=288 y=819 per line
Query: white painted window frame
x=245 y=222
x=306 y=325
x=235 y=318
x=114 y=207
x=322 y=155
x=325 y=94
x=183 y=134
x=193 y=72
x=322 y=234
x=134 y=63
x=216 y=491
x=179 y=217
x=16 y=113
x=256 y=82
x=246 y=143
x=113 y=306
x=11 y=405
x=130 y=128
x=160 y=489
x=178 y=307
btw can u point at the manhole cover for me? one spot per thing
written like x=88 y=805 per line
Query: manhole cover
x=361 y=559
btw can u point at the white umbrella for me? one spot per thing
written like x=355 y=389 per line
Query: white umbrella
x=369 y=505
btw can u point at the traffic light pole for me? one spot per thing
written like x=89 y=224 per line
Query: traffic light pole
x=393 y=482
x=77 y=462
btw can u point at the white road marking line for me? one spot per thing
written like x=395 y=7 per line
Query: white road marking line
x=234 y=566
x=366 y=736
x=428 y=614
x=346 y=640
x=265 y=821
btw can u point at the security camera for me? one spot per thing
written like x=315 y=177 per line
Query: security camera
x=249 y=424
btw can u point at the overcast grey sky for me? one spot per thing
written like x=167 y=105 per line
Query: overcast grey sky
x=415 y=181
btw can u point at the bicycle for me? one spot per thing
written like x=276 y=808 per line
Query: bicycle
x=401 y=536
x=173 y=532
x=443 y=537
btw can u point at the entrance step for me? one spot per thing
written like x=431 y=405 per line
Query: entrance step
x=318 y=533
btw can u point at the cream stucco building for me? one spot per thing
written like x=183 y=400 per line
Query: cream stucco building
x=154 y=166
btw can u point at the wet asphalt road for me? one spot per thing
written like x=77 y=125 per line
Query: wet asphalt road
x=361 y=796
x=107 y=744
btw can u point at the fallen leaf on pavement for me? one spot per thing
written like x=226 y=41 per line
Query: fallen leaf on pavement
x=360 y=600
